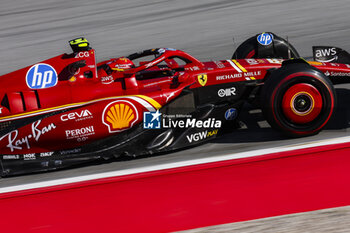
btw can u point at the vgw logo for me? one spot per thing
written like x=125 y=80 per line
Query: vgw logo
x=265 y=38
x=201 y=135
x=41 y=76
x=151 y=120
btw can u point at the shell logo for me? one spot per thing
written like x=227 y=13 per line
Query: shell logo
x=119 y=116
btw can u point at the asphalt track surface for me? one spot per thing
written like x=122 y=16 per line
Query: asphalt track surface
x=31 y=31
x=335 y=220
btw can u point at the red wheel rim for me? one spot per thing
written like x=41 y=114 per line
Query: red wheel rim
x=302 y=103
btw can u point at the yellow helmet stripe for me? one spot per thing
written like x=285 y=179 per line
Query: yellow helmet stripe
x=78 y=41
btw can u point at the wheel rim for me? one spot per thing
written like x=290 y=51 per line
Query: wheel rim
x=302 y=103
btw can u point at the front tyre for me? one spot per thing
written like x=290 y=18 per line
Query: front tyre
x=298 y=100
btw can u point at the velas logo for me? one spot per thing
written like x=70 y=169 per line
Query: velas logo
x=119 y=115
x=41 y=76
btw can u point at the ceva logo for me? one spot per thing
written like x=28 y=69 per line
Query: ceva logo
x=77 y=116
x=41 y=76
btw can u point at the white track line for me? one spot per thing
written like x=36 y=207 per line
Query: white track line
x=246 y=154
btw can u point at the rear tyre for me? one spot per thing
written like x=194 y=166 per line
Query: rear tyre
x=298 y=100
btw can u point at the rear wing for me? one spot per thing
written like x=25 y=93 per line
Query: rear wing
x=330 y=54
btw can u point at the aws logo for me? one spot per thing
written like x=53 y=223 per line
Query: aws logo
x=119 y=116
x=325 y=54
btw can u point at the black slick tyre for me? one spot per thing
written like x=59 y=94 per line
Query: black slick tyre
x=298 y=100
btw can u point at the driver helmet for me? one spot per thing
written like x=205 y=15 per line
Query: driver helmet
x=121 y=64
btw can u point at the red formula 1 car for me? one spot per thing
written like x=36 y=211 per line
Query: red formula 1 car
x=68 y=109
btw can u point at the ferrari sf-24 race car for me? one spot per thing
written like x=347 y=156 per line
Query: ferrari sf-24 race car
x=68 y=109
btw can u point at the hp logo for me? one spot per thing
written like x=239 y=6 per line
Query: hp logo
x=41 y=76
x=265 y=38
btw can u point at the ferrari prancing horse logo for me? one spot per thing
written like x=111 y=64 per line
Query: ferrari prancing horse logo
x=202 y=79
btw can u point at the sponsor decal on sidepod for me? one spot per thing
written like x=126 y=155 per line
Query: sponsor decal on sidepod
x=15 y=143
x=152 y=120
x=119 y=115
x=77 y=116
x=80 y=134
